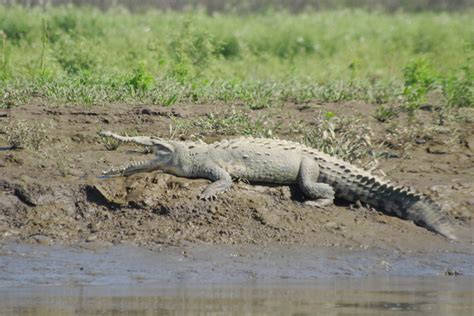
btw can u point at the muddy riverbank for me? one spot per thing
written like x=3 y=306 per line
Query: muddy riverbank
x=50 y=193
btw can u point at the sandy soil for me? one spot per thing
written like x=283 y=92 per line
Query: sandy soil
x=52 y=195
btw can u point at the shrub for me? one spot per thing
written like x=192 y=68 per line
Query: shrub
x=459 y=89
x=140 y=79
x=419 y=80
x=74 y=57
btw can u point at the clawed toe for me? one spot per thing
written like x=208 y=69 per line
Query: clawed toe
x=207 y=197
x=106 y=133
x=319 y=203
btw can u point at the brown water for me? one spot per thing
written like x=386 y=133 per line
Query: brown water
x=341 y=296
x=238 y=280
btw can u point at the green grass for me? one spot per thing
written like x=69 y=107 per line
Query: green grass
x=85 y=56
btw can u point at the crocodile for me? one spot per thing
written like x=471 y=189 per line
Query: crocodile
x=321 y=177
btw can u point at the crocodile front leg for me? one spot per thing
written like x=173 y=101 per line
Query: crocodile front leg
x=222 y=181
x=308 y=176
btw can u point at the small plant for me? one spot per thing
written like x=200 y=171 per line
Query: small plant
x=15 y=26
x=419 y=80
x=110 y=143
x=344 y=137
x=384 y=113
x=459 y=90
x=140 y=80
x=258 y=95
x=74 y=57
x=229 y=123
x=336 y=91
x=403 y=138
x=23 y=134
x=5 y=71
x=228 y=47
x=62 y=23
x=167 y=92
x=283 y=43
x=11 y=95
x=289 y=45
x=191 y=49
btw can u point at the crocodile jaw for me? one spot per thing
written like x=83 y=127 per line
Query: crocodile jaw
x=133 y=167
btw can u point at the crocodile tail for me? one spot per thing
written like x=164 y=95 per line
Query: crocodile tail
x=354 y=184
x=407 y=204
x=427 y=214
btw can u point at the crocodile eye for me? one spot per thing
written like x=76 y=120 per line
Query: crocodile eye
x=162 y=153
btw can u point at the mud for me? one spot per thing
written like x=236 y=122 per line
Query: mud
x=52 y=196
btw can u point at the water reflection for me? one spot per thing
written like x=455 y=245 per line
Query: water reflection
x=357 y=296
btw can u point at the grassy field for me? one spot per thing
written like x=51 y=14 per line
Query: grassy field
x=85 y=56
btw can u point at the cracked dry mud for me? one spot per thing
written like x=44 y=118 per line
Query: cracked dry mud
x=52 y=195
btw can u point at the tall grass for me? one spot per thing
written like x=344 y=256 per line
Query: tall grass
x=87 y=56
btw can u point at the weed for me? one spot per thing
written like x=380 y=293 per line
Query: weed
x=463 y=115
x=24 y=134
x=384 y=113
x=190 y=49
x=5 y=72
x=228 y=47
x=258 y=96
x=336 y=92
x=12 y=95
x=344 y=137
x=44 y=42
x=419 y=80
x=140 y=80
x=288 y=45
x=74 y=57
x=73 y=23
x=229 y=123
x=15 y=26
x=459 y=90
x=110 y=143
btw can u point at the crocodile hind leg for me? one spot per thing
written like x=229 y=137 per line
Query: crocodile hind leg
x=321 y=194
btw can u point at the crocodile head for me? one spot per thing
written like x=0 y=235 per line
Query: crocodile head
x=163 y=158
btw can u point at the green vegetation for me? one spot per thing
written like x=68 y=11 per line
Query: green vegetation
x=109 y=142
x=230 y=122
x=85 y=56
